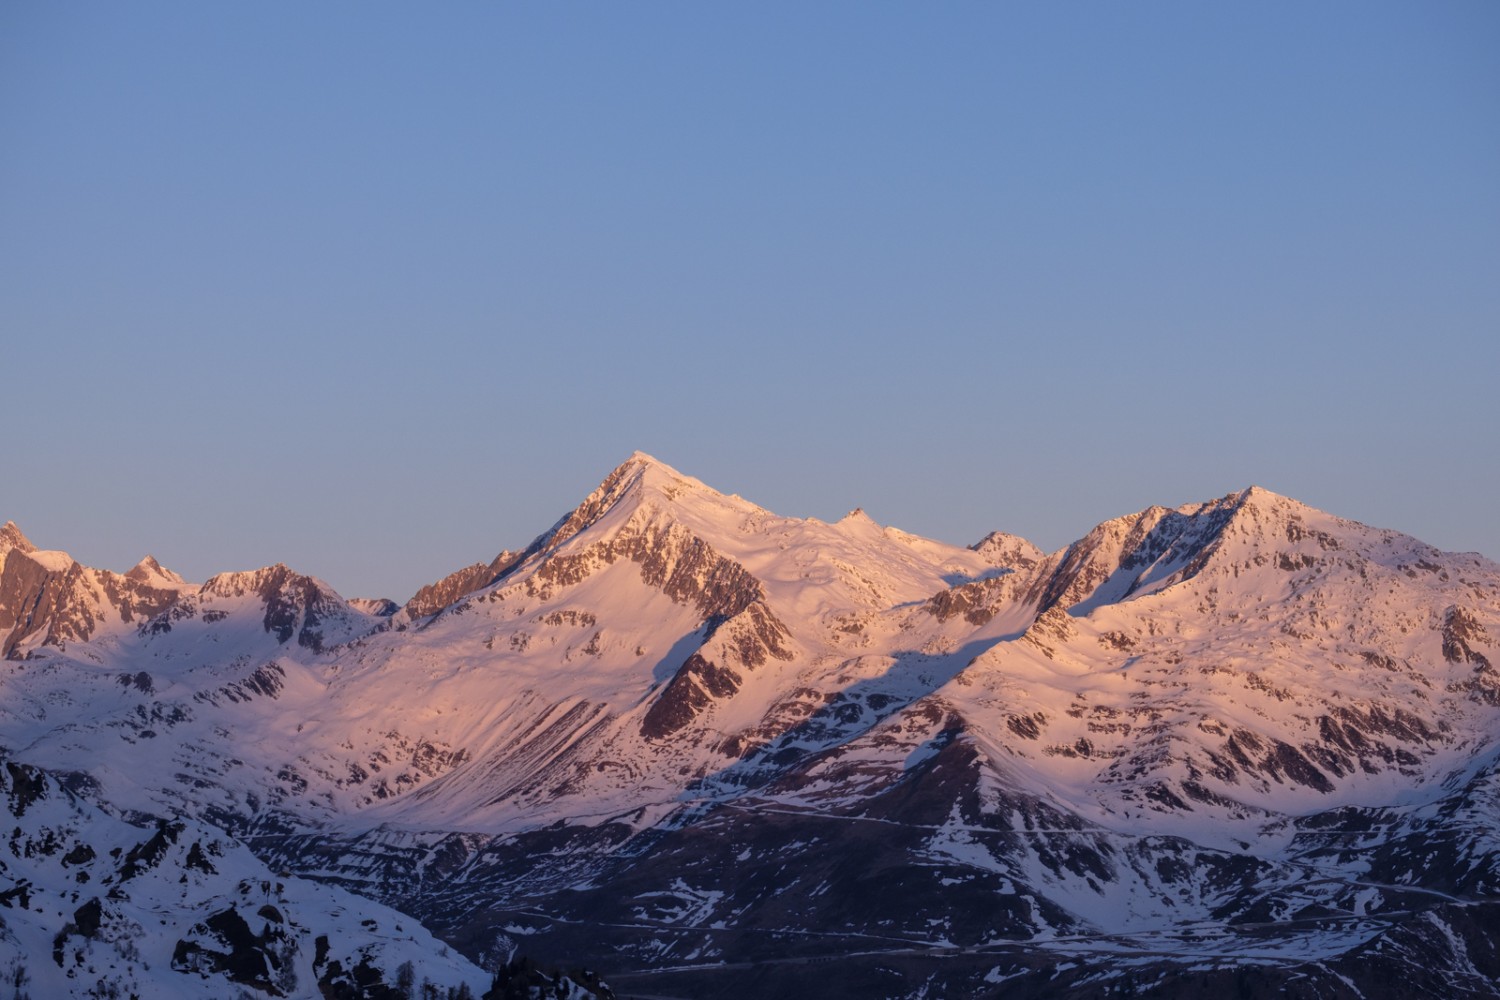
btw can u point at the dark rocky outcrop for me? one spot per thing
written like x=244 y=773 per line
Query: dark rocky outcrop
x=294 y=604
x=1127 y=553
x=695 y=686
x=260 y=961
x=436 y=596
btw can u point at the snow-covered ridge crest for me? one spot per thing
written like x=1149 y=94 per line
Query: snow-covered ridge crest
x=48 y=599
x=237 y=583
x=1008 y=550
x=639 y=480
x=1143 y=730
x=792 y=559
x=153 y=573
x=1156 y=548
x=294 y=604
x=51 y=560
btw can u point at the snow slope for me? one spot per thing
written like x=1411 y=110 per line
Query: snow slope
x=1143 y=744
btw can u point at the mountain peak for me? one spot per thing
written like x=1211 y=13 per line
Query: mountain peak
x=642 y=480
x=153 y=573
x=1257 y=497
x=1258 y=510
x=1005 y=549
x=11 y=538
x=294 y=605
x=380 y=607
x=1157 y=547
x=639 y=478
x=639 y=457
x=265 y=581
x=641 y=470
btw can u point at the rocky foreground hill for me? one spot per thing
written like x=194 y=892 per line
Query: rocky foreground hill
x=705 y=750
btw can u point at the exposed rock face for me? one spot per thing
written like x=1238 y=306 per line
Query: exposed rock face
x=977 y=602
x=681 y=565
x=435 y=597
x=693 y=688
x=731 y=602
x=295 y=605
x=1462 y=633
x=224 y=944
x=617 y=487
x=63 y=601
x=26 y=600
x=11 y=538
x=91 y=906
x=1155 y=547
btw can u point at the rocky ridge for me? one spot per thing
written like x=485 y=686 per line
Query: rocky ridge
x=1236 y=742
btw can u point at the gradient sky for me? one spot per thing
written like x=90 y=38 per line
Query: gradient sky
x=379 y=289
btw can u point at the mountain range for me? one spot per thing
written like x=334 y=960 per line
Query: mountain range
x=706 y=750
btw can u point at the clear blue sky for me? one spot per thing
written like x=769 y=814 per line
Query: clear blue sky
x=377 y=289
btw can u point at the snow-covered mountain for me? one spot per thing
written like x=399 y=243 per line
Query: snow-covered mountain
x=1242 y=743
x=96 y=906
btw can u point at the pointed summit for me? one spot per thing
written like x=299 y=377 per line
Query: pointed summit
x=1004 y=549
x=639 y=457
x=1261 y=503
x=1158 y=547
x=153 y=574
x=11 y=538
x=640 y=480
x=643 y=471
x=858 y=524
x=1142 y=552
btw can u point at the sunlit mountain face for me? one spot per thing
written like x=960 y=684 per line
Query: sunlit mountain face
x=706 y=750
